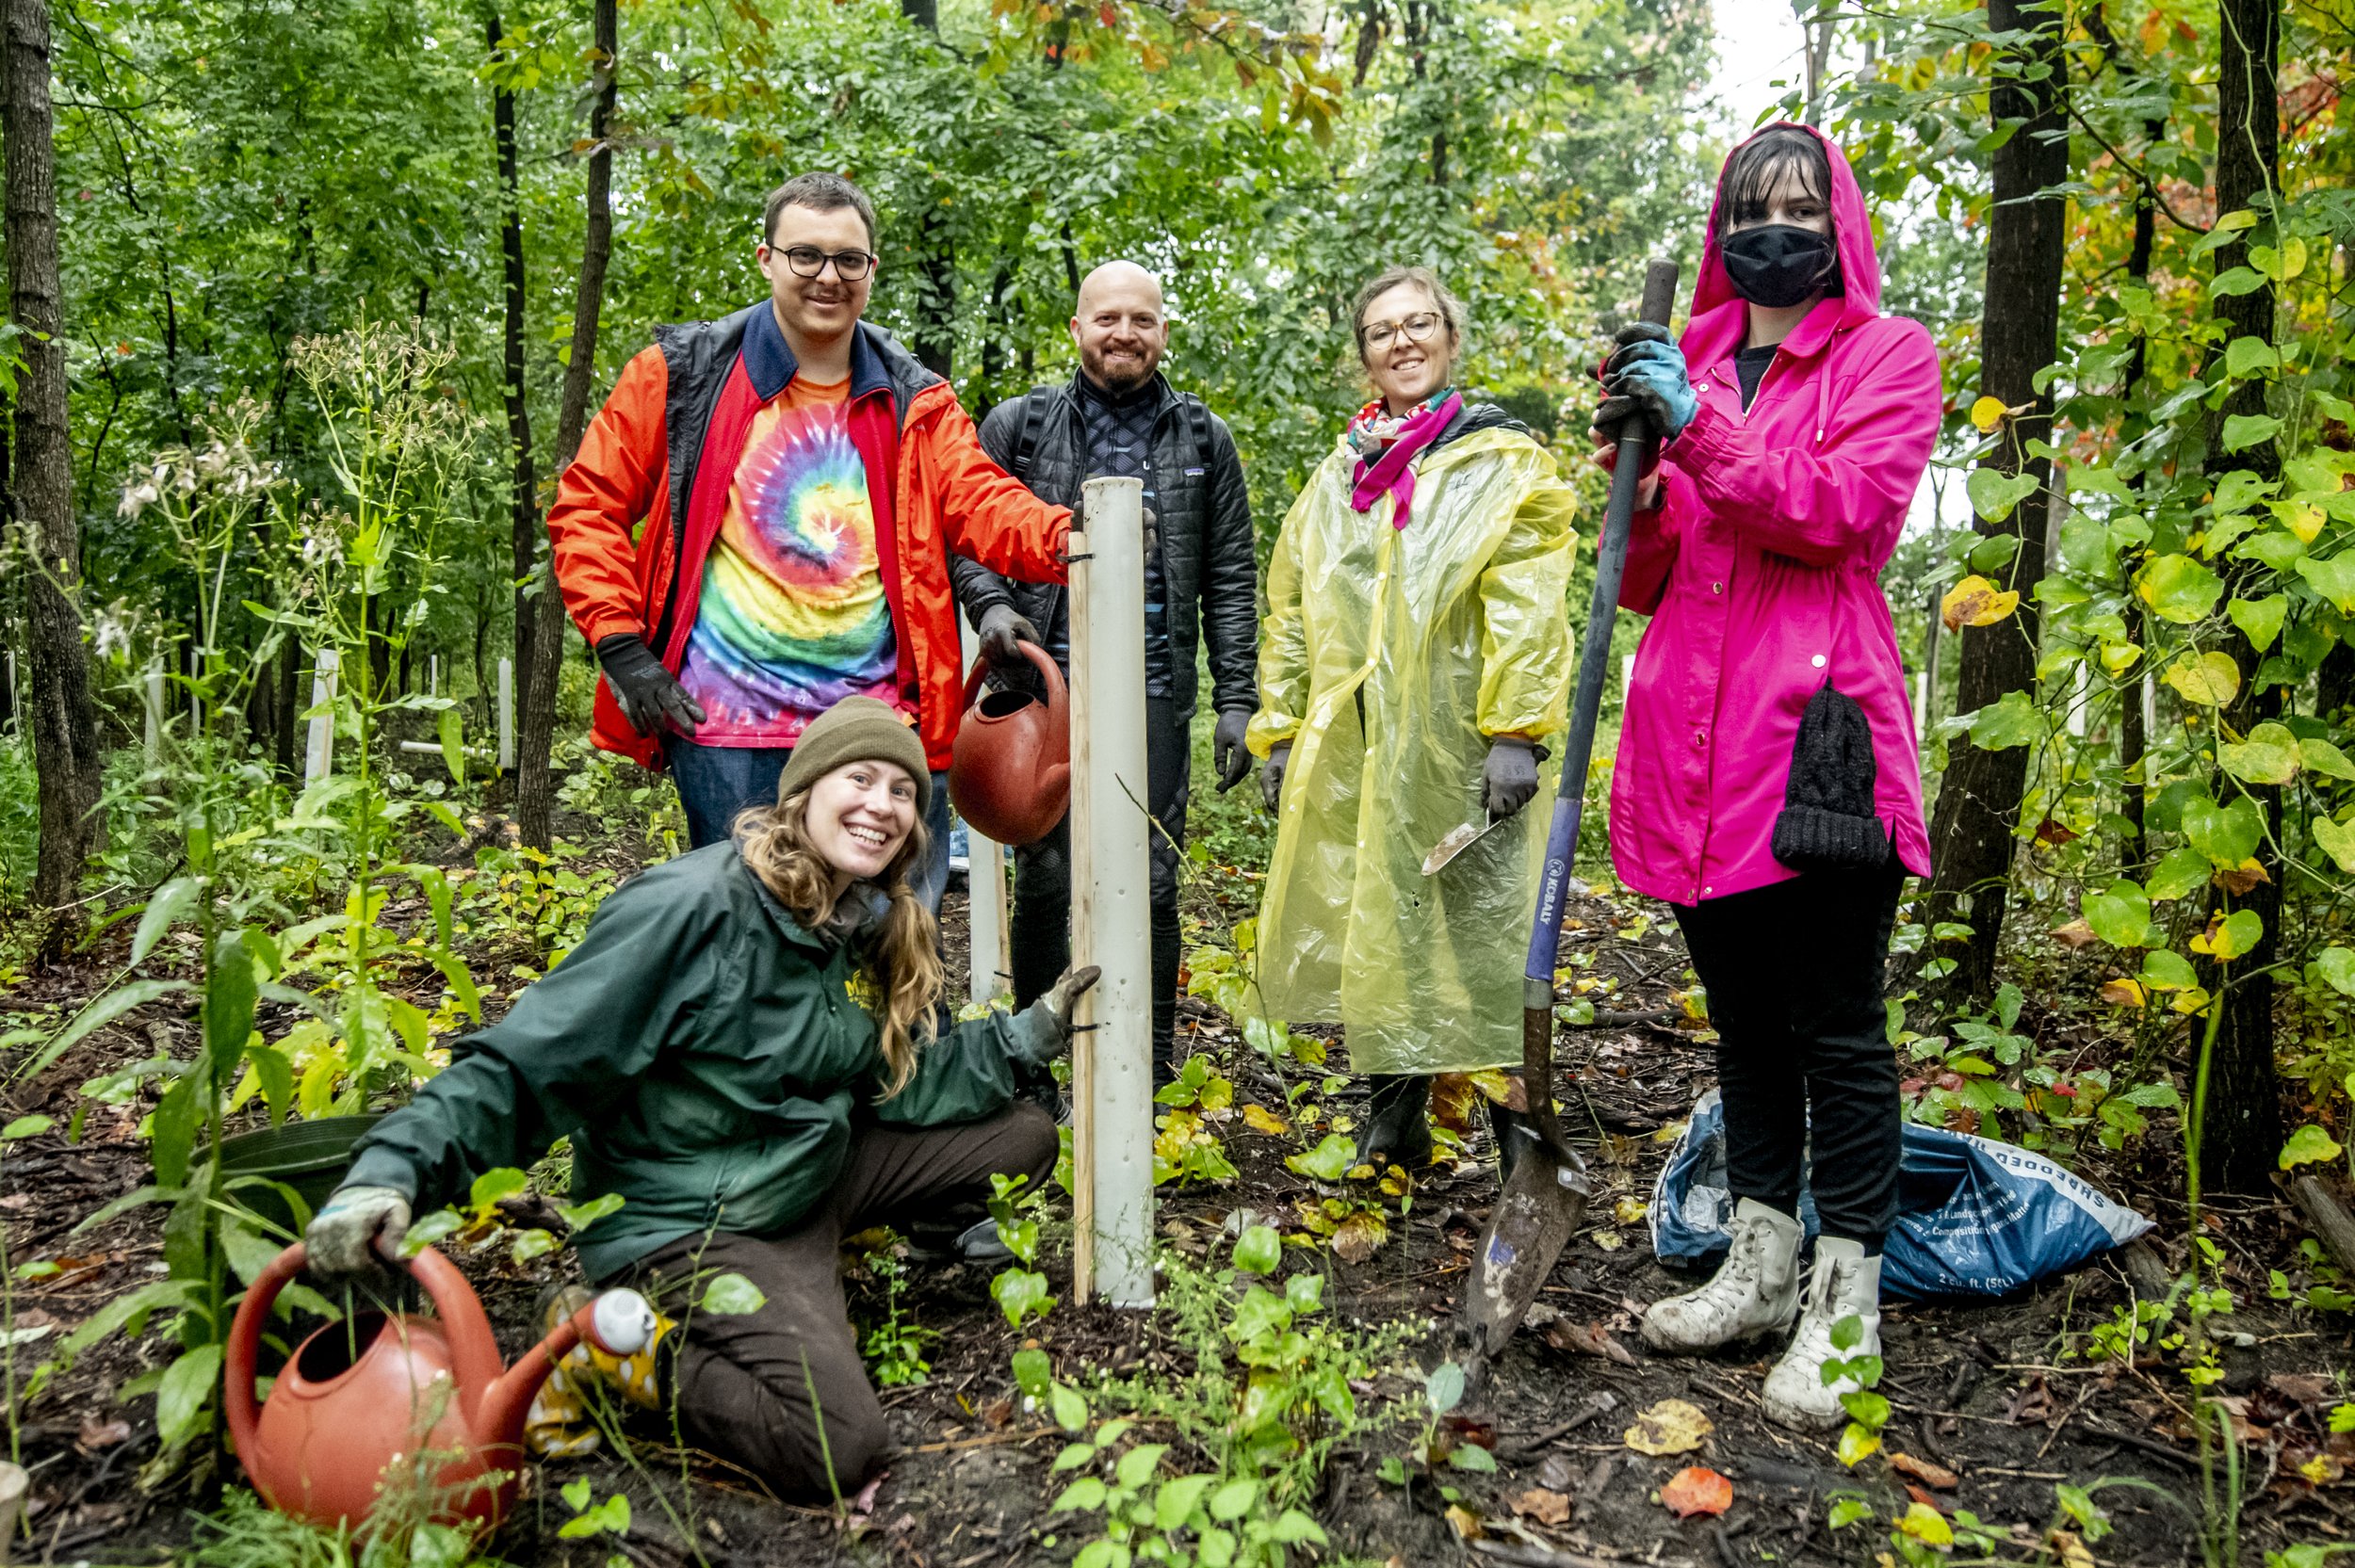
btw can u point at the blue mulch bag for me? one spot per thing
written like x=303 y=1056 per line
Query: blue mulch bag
x=1976 y=1217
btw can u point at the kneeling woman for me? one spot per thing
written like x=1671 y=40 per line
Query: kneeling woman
x=742 y=1049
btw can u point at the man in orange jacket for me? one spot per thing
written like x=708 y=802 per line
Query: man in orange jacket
x=809 y=559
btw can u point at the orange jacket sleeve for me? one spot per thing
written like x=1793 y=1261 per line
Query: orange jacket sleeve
x=600 y=499
x=989 y=515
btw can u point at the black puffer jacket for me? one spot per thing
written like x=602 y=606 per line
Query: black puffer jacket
x=1208 y=561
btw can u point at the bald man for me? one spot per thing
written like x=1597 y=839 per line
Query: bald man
x=1119 y=416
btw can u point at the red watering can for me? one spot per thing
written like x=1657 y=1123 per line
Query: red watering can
x=390 y=1396
x=1010 y=775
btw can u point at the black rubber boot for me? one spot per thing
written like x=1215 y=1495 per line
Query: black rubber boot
x=1515 y=1135
x=1398 y=1121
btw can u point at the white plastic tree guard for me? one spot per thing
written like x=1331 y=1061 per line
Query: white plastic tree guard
x=992 y=959
x=318 y=753
x=505 y=753
x=1111 y=1066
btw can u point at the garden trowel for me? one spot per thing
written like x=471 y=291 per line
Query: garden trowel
x=1457 y=842
x=1545 y=1198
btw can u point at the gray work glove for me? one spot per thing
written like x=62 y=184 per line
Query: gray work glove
x=1272 y=774
x=1229 y=753
x=1041 y=1032
x=1002 y=635
x=651 y=697
x=340 y=1237
x=1510 y=777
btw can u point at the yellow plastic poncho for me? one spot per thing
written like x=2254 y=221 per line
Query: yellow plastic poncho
x=1389 y=657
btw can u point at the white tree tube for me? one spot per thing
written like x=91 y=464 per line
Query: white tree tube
x=1111 y=1064
x=507 y=716
x=320 y=754
x=992 y=960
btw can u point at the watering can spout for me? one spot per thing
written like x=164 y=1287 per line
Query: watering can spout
x=619 y=1323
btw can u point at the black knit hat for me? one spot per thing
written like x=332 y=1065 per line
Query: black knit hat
x=1827 y=821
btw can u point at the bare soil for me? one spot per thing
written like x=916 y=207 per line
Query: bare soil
x=1988 y=1391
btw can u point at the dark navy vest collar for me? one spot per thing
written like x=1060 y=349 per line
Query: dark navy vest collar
x=769 y=365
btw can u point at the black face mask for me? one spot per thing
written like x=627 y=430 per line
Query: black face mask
x=1778 y=263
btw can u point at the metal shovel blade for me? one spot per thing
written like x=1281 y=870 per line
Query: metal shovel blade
x=1455 y=843
x=1544 y=1201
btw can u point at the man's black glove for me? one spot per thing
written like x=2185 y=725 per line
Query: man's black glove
x=1229 y=753
x=1002 y=635
x=1272 y=775
x=1510 y=776
x=650 y=696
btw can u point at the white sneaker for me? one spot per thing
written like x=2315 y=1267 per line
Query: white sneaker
x=1755 y=1291
x=1845 y=1283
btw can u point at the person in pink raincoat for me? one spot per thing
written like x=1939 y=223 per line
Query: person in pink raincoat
x=1766 y=786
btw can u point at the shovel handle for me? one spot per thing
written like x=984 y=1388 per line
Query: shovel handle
x=1637 y=443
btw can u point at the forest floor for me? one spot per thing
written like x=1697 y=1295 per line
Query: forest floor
x=1995 y=1405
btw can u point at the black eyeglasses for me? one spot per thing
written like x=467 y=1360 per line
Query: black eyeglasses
x=807 y=261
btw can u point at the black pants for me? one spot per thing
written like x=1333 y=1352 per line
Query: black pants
x=1041 y=937
x=1794 y=975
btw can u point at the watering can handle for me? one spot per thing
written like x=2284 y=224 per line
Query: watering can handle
x=245 y=1341
x=473 y=1353
x=1056 y=695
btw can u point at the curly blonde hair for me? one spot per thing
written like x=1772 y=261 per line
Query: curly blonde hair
x=902 y=967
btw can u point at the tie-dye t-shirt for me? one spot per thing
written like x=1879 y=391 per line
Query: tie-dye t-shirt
x=792 y=617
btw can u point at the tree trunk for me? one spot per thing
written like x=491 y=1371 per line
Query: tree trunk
x=1978 y=801
x=2240 y=1129
x=523 y=501
x=535 y=785
x=64 y=721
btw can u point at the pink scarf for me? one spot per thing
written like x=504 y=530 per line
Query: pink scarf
x=1393 y=471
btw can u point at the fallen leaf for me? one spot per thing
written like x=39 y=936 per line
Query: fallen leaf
x=97 y=1434
x=1554 y=1474
x=2031 y=1405
x=1464 y=1522
x=864 y=1504
x=2121 y=993
x=1630 y=1211
x=1694 y=1490
x=1927 y=1526
x=1925 y=1471
x=1670 y=1427
x=1354 y=1238
x=1607 y=1240
x=2305 y=1388
x=1260 y=1119
x=1586 y=1339
x=2070 y=1549
x=1543 y=1505
x=996 y=1414
x=1921 y=1494
x=2322 y=1470
x=2075 y=934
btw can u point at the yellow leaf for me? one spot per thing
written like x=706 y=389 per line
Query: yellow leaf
x=2123 y=992
x=1607 y=1240
x=2118 y=658
x=1629 y=1211
x=1927 y=1526
x=2322 y=1470
x=2070 y=1549
x=2209 y=680
x=2302 y=518
x=1976 y=602
x=2191 y=1001
x=2293 y=257
x=1260 y=1119
x=1670 y=1427
x=1988 y=412
x=1858 y=1444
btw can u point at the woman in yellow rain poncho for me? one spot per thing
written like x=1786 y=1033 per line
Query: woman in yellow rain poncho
x=1415 y=658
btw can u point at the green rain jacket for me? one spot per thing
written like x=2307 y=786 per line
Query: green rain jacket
x=705 y=1056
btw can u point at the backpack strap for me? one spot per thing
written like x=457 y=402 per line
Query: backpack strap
x=1198 y=420
x=1026 y=439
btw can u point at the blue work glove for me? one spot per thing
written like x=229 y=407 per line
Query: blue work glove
x=1041 y=1032
x=1645 y=374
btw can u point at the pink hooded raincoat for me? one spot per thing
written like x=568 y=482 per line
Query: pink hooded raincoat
x=1760 y=569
